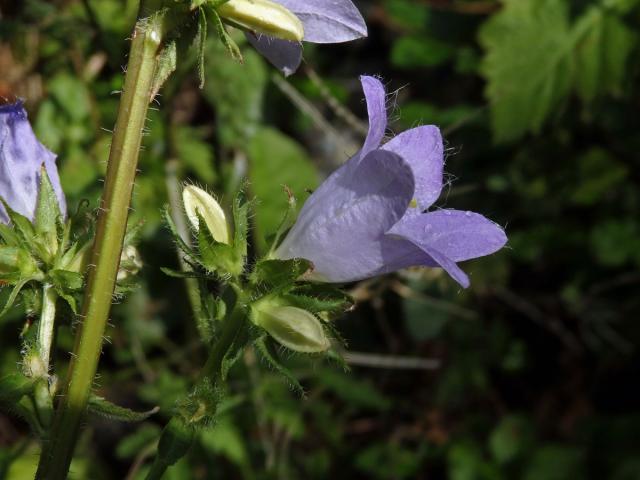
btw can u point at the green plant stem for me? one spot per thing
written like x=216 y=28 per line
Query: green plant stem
x=46 y=324
x=178 y=434
x=123 y=160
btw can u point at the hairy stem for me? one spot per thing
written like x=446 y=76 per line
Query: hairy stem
x=46 y=324
x=123 y=160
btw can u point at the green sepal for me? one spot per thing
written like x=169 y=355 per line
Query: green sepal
x=320 y=298
x=167 y=61
x=215 y=256
x=24 y=229
x=287 y=221
x=225 y=38
x=176 y=236
x=201 y=43
x=47 y=215
x=175 y=442
x=276 y=276
x=266 y=347
x=66 y=279
x=103 y=408
x=14 y=294
x=181 y=274
x=240 y=211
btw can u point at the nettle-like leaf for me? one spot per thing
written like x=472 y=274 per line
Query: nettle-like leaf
x=535 y=57
x=602 y=54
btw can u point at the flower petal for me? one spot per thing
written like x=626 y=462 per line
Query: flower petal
x=422 y=148
x=458 y=235
x=377 y=110
x=341 y=226
x=283 y=54
x=21 y=156
x=450 y=236
x=327 y=21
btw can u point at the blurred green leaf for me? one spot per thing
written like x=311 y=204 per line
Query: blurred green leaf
x=277 y=161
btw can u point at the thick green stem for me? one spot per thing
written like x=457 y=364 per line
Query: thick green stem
x=123 y=160
x=46 y=324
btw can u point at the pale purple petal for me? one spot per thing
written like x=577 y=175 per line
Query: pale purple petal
x=327 y=21
x=21 y=158
x=377 y=110
x=458 y=235
x=422 y=148
x=283 y=54
x=341 y=225
x=450 y=236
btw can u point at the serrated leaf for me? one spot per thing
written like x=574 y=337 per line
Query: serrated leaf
x=527 y=64
x=602 y=54
x=103 y=408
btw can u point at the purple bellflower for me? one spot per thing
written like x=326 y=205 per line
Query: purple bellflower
x=368 y=218
x=324 y=21
x=21 y=160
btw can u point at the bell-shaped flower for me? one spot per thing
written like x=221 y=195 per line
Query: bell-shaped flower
x=21 y=160
x=321 y=21
x=370 y=216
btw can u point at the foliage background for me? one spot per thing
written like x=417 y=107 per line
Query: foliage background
x=529 y=374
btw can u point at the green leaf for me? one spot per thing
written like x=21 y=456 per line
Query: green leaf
x=195 y=153
x=103 y=408
x=602 y=54
x=241 y=210
x=527 y=64
x=14 y=294
x=419 y=51
x=13 y=387
x=277 y=161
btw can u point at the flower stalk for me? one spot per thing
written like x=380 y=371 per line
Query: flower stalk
x=123 y=160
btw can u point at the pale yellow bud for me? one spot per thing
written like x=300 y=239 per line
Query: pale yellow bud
x=263 y=16
x=293 y=327
x=198 y=202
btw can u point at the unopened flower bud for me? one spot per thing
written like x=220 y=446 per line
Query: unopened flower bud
x=198 y=202
x=293 y=327
x=263 y=16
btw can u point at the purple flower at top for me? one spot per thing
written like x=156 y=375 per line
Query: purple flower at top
x=324 y=21
x=21 y=160
x=368 y=218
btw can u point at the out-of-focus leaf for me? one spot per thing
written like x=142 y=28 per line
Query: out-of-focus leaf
x=527 y=64
x=277 y=161
x=419 y=52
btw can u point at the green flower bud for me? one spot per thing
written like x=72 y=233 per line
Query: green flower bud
x=293 y=327
x=198 y=202
x=263 y=16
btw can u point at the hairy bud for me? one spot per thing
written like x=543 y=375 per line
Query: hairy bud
x=197 y=202
x=263 y=16
x=293 y=327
